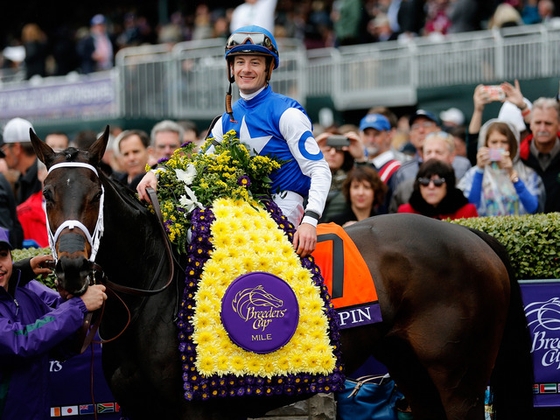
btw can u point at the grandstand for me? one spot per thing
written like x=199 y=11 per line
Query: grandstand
x=188 y=80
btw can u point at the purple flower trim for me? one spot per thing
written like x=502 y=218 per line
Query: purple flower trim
x=199 y=387
x=244 y=181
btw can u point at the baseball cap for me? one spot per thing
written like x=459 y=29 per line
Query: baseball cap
x=423 y=113
x=512 y=114
x=453 y=115
x=16 y=131
x=376 y=121
x=97 y=20
x=5 y=238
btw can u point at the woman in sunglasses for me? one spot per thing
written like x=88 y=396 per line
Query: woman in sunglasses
x=501 y=184
x=435 y=194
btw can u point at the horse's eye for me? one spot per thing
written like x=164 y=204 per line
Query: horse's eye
x=47 y=194
x=98 y=196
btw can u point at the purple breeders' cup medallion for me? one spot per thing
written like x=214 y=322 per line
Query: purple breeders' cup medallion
x=260 y=312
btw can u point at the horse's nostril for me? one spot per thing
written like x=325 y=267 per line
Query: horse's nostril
x=73 y=274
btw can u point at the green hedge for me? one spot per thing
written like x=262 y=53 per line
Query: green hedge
x=533 y=243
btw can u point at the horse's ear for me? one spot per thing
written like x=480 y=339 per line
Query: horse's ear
x=97 y=149
x=43 y=151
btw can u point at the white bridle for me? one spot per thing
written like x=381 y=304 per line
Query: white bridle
x=93 y=239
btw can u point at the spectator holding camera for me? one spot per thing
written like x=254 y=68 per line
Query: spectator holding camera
x=515 y=109
x=339 y=151
x=501 y=184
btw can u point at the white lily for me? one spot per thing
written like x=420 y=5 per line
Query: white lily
x=191 y=202
x=186 y=176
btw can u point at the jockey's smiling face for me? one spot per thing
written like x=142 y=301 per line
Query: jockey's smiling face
x=249 y=72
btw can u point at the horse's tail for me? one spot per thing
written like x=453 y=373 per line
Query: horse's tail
x=512 y=378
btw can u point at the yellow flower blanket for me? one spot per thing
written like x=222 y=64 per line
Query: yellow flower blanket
x=233 y=238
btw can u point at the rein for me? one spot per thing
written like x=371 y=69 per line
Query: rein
x=145 y=292
x=93 y=320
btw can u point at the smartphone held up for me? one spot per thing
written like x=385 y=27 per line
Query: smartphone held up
x=496 y=155
x=337 y=141
x=495 y=92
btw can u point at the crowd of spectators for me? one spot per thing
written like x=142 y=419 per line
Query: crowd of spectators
x=317 y=23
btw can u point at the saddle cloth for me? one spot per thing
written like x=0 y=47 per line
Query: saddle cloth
x=347 y=277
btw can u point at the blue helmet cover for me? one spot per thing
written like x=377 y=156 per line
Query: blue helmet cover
x=250 y=48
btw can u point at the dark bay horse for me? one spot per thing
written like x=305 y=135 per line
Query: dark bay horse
x=453 y=318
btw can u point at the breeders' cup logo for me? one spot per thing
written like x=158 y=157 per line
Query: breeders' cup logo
x=250 y=304
x=260 y=312
x=544 y=321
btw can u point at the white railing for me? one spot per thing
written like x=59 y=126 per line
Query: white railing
x=189 y=79
x=390 y=73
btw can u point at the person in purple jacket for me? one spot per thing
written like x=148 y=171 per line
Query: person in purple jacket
x=34 y=322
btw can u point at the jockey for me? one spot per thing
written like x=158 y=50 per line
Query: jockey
x=275 y=125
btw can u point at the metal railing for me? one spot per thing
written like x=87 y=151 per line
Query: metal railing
x=189 y=80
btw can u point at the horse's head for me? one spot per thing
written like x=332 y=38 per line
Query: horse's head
x=73 y=195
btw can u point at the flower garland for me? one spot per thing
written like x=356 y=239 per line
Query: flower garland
x=190 y=180
x=235 y=185
x=270 y=374
x=246 y=240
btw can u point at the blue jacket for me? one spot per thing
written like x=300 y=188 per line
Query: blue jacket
x=275 y=125
x=29 y=330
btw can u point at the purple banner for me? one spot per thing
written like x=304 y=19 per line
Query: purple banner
x=542 y=308
x=86 y=97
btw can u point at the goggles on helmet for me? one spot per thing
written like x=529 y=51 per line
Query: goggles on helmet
x=241 y=38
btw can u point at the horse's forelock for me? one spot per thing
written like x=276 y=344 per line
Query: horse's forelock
x=72 y=154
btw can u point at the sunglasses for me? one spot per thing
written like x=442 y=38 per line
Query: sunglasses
x=242 y=38
x=438 y=182
x=425 y=124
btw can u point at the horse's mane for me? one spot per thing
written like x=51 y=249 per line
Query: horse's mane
x=124 y=193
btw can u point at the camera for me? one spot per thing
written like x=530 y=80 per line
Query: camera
x=495 y=92
x=495 y=154
x=337 y=141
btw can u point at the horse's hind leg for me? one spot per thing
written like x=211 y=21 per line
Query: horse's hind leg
x=443 y=375
x=412 y=379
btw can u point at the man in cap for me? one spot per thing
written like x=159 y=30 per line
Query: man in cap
x=19 y=155
x=453 y=117
x=422 y=123
x=377 y=135
x=34 y=320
